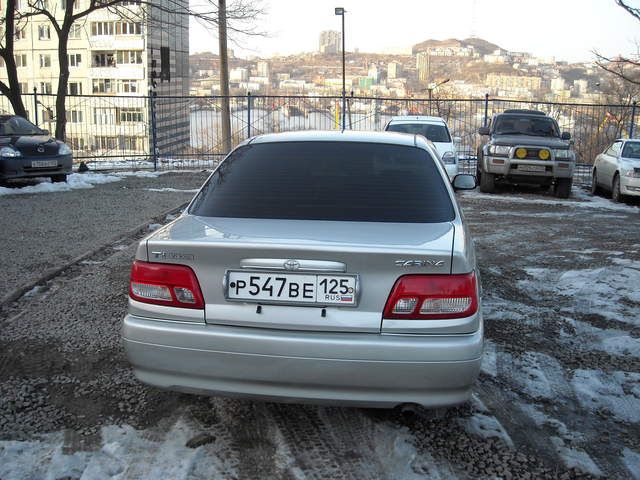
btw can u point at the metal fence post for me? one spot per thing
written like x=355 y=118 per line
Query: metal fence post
x=486 y=109
x=35 y=105
x=248 y=114
x=154 y=139
x=633 y=118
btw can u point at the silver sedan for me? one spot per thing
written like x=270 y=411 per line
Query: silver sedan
x=322 y=267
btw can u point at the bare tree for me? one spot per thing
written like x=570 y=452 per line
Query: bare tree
x=624 y=67
x=241 y=13
x=8 y=28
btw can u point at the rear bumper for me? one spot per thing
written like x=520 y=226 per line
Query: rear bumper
x=374 y=370
x=20 y=167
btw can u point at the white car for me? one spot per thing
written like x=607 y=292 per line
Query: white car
x=434 y=129
x=617 y=170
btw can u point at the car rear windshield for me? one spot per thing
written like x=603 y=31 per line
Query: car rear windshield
x=435 y=133
x=337 y=181
x=631 y=150
x=538 y=126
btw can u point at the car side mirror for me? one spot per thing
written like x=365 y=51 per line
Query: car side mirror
x=565 y=136
x=464 y=181
x=457 y=140
x=46 y=132
x=483 y=130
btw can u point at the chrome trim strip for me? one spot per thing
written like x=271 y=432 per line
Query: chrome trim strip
x=305 y=265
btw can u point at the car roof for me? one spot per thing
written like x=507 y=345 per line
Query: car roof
x=342 y=136
x=418 y=119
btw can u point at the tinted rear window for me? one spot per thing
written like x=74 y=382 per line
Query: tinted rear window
x=435 y=133
x=337 y=181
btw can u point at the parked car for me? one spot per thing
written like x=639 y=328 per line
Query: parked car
x=525 y=147
x=434 y=129
x=323 y=267
x=28 y=151
x=617 y=170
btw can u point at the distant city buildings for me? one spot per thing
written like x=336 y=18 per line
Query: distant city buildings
x=330 y=42
x=423 y=66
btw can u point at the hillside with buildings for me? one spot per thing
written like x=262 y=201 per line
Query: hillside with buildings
x=465 y=68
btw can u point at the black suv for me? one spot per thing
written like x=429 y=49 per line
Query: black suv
x=525 y=147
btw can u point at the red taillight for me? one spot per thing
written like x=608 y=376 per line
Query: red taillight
x=428 y=297
x=165 y=284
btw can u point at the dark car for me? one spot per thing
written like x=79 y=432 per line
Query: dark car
x=28 y=151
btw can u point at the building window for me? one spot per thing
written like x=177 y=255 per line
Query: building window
x=106 y=143
x=1 y=62
x=75 y=59
x=104 y=116
x=132 y=143
x=75 y=143
x=125 y=57
x=20 y=33
x=23 y=87
x=74 y=88
x=127 y=86
x=128 y=115
x=101 y=28
x=44 y=32
x=47 y=115
x=74 y=116
x=76 y=29
x=45 y=87
x=103 y=60
x=103 y=85
x=21 y=60
x=45 y=60
x=128 y=28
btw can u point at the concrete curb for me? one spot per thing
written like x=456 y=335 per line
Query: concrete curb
x=55 y=271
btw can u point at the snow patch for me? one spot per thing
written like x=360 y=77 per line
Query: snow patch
x=169 y=189
x=75 y=181
x=483 y=424
x=580 y=199
x=575 y=458
x=631 y=460
x=617 y=393
x=534 y=374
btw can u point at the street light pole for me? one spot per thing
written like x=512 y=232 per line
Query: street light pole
x=341 y=11
x=432 y=86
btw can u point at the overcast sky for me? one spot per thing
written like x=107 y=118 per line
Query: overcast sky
x=565 y=29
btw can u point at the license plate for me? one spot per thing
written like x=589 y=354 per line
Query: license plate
x=532 y=168
x=44 y=163
x=292 y=288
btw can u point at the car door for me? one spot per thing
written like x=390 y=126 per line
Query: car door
x=609 y=164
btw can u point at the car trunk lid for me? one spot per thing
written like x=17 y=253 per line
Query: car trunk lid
x=376 y=252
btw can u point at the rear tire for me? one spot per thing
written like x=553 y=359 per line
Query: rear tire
x=58 y=178
x=562 y=187
x=487 y=182
x=595 y=189
x=616 y=196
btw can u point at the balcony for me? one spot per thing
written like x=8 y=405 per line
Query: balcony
x=117 y=42
x=129 y=72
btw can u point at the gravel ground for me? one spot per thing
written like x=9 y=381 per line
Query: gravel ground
x=559 y=395
x=45 y=230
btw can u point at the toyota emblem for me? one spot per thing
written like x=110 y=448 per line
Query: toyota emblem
x=40 y=148
x=291 y=265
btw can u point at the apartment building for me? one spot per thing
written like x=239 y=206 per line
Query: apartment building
x=114 y=60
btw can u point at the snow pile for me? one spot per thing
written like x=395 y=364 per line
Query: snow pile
x=75 y=181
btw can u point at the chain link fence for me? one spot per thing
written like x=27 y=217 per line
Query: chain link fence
x=109 y=132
